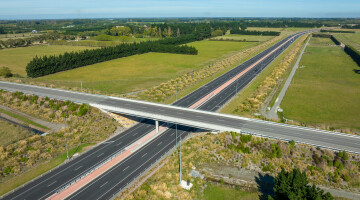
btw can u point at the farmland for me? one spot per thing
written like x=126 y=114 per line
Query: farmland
x=325 y=90
x=17 y=58
x=143 y=71
x=237 y=37
x=352 y=39
x=16 y=36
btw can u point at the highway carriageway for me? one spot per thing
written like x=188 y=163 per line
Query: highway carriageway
x=202 y=119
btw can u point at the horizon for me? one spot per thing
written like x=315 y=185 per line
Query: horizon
x=82 y=9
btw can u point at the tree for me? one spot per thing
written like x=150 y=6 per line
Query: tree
x=294 y=185
x=243 y=27
x=178 y=32
x=2 y=30
x=217 y=33
x=5 y=72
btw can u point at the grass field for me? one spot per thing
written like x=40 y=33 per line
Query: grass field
x=15 y=181
x=220 y=192
x=143 y=71
x=352 y=39
x=326 y=91
x=10 y=132
x=17 y=58
x=246 y=37
x=17 y=36
x=95 y=43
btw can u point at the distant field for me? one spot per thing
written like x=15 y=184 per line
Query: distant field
x=246 y=37
x=17 y=36
x=10 y=132
x=17 y=58
x=352 y=39
x=143 y=71
x=95 y=43
x=282 y=30
x=326 y=91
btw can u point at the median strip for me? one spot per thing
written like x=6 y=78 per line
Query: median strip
x=102 y=168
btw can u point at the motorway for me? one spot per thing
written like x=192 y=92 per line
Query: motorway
x=118 y=177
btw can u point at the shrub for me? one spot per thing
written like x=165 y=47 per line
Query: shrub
x=275 y=151
x=83 y=110
x=245 y=138
x=5 y=72
x=292 y=144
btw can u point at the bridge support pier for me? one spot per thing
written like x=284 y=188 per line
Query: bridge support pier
x=156 y=126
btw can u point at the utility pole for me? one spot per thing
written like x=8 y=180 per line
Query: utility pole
x=66 y=147
x=180 y=159
x=67 y=152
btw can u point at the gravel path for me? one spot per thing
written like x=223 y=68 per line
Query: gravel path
x=272 y=114
x=53 y=126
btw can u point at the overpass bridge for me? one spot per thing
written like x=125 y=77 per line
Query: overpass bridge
x=211 y=121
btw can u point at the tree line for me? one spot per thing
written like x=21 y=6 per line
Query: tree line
x=335 y=31
x=353 y=53
x=246 y=32
x=24 y=42
x=41 y=66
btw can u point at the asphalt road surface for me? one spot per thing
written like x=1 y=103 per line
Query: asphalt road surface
x=46 y=185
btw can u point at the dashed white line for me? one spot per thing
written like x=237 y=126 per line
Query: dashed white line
x=78 y=168
x=51 y=183
x=118 y=144
x=144 y=155
x=126 y=168
x=100 y=155
x=104 y=184
x=159 y=144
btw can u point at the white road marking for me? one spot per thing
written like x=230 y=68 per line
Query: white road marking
x=104 y=184
x=100 y=155
x=78 y=168
x=118 y=144
x=159 y=144
x=51 y=183
x=126 y=168
x=144 y=155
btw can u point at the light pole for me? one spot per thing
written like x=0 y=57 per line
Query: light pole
x=67 y=152
x=66 y=147
x=180 y=159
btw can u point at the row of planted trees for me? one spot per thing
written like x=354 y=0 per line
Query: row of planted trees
x=41 y=66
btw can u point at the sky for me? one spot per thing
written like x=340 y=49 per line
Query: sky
x=63 y=9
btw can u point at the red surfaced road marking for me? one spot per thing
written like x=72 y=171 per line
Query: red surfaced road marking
x=223 y=86
x=103 y=168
